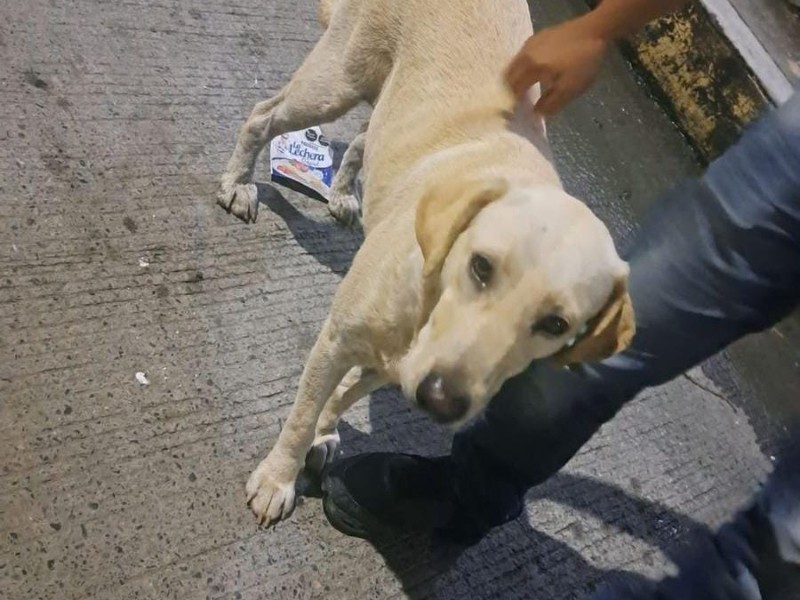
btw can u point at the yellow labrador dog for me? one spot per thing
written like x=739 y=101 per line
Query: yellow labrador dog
x=475 y=261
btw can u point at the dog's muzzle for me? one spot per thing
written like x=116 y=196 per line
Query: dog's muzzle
x=443 y=404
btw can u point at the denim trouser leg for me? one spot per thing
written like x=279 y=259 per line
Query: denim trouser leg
x=717 y=258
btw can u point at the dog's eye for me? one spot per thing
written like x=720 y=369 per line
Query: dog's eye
x=553 y=325
x=481 y=269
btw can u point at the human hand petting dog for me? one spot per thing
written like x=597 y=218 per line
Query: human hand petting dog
x=566 y=59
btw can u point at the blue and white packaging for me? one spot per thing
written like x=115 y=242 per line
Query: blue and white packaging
x=303 y=157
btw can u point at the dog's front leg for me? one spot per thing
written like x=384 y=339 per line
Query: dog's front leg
x=271 y=487
x=355 y=385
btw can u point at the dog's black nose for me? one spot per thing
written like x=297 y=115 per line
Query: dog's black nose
x=434 y=397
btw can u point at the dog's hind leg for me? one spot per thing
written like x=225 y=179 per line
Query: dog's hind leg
x=358 y=383
x=343 y=204
x=319 y=92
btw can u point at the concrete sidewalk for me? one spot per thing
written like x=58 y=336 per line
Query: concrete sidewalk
x=115 y=120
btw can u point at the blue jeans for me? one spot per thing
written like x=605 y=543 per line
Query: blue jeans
x=717 y=258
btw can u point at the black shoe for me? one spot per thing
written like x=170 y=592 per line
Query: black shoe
x=377 y=496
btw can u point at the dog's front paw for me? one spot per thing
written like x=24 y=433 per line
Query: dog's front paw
x=271 y=498
x=344 y=208
x=322 y=451
x=241 y=200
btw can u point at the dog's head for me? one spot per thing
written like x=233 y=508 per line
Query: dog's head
x=510 y=275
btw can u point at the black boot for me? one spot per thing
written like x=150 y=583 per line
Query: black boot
x=376 y=496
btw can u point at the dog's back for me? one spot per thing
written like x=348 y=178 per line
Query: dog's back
x=433 y=72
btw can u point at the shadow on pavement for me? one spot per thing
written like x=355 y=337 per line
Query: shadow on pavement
x=328 y=242
x=543 y=565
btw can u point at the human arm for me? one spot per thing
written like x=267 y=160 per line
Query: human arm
x=566 y=58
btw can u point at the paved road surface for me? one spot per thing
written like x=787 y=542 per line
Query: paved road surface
x=115 y=119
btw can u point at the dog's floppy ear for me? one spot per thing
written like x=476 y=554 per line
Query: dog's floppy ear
x=609 y=332
x=443 y=213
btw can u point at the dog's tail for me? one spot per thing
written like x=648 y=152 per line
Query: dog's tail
x=325 y=10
